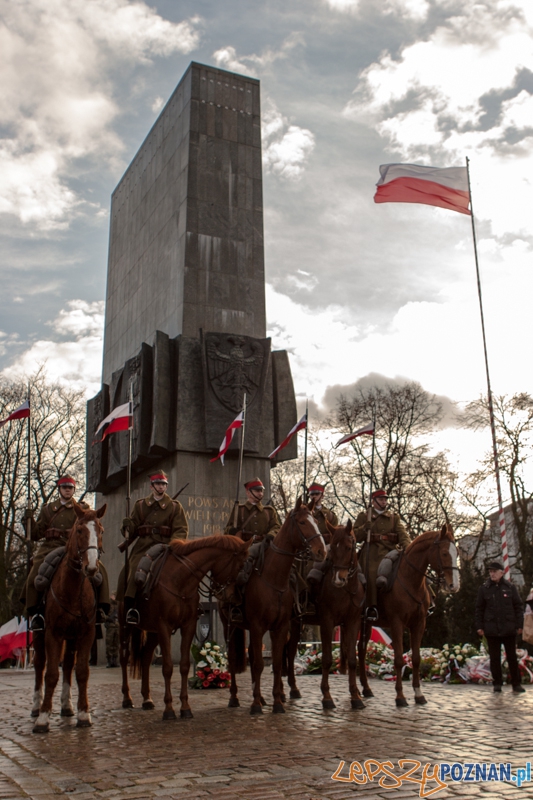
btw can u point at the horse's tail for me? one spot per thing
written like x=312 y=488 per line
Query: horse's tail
x=343 y=664
x=138 y=640
x=237 y=649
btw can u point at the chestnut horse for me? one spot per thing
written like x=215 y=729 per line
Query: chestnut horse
x=406 y=605
x=268 y=602
x=173 y=604
x=70 y=616
x=338 y=601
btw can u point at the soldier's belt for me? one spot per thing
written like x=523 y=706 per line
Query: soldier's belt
x=154 y=530
x=55 y=533
x=384 y=537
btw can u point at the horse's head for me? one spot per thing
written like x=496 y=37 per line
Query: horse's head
x=342 y=554
x=85 y=540
x=304 y=529
x=443 y=559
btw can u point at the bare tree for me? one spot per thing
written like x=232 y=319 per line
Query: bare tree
x=57 y=446
x=513 y=418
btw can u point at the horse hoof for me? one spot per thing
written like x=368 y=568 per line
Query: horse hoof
x=401 y=702
x=233 y=702
x=277 y=708
x=169 y=714
x=34 y=712
x=148 y=705
x=256 y=710
x=83 y=723
x=421 y=700
x=186 y=713
x=67 y=712
x=295 y=694
x=357 y=705
x=328 y=704
x=368 y=693
x=41 y=729
x=127 y=704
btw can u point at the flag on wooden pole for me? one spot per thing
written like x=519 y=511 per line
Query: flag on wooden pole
x=230 y=433
x=120 y=419
x=21 y=412
x=368 y=430
x=300 y=426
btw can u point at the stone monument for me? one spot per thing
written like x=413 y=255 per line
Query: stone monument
x=185 y=322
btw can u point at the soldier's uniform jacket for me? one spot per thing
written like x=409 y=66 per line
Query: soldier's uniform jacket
x=321 y=515
x=254 y=520
x=387 y=531
x=53 y=527
x=154 y=522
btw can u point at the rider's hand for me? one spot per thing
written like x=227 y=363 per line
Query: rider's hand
x=28 y=514
x=127 y=524
x=481 y=632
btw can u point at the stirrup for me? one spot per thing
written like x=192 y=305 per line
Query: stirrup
x=37 y=623
x=236 y=615
x=431 y=609
x=133 y=617
x=371 y=614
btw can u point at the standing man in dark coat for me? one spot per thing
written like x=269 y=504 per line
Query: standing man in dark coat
x=499 y=617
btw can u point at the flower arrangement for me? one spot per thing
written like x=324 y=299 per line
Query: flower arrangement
x=310 y=660
x=211 y=667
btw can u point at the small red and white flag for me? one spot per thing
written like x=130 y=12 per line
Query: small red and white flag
x=120 y=419
x=21 y=412
x=301 y=425
x=431 y=186
x=368 y=430
x=224 y=447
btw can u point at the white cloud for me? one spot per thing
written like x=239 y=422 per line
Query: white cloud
x=415 y=9
x=227 y=58
x=57 y=103
x=286 y=148
x=76 y=361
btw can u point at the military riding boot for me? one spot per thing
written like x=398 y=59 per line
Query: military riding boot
x=132 y=615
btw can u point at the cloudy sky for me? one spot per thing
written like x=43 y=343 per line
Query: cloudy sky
x=352 y=287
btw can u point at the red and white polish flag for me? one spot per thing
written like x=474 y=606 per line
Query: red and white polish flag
x=21 y=412
x=368 y=430
x=120 y=419
x=300 y=426
x=431 y=186
x=224 y=447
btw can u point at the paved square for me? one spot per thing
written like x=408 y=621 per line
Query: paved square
x=225 y=753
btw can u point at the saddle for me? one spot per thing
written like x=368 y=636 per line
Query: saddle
x=255 y=560
x=387 y=571
x=149 y=568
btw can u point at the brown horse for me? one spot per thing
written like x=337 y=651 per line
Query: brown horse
x=268 y=602
x=70 y=617
x=406 y=605
x=173 y=604
x=338 y=601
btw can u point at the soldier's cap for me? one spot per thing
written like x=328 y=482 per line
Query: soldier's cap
x=159 y=476
x=255 y=483
x=495 y=565
x=380 y=493
x=66 y=480
x=316 y=488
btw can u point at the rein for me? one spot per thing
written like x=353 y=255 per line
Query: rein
x=306 y=542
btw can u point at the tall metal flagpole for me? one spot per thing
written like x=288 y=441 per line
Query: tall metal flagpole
x=372 y=466
x=128 y=493
x=28 y=526
x=503 y=532
x=239 y=471
x=305 y=450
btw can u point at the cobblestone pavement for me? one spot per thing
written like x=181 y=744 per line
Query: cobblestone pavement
x=225 y=753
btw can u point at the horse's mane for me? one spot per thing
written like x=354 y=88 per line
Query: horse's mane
x=183 y=548
x=427 y=535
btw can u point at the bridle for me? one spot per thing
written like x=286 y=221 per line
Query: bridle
x=306 y=550
x=352 y=565
x=439 y=572
x=76 y=564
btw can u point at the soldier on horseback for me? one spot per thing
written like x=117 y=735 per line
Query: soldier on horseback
x=380 y=534
x=52 y=528
x=253 y=518
x=320 y=512
x=156 y=519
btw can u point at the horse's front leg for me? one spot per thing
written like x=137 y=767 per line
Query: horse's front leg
x=187 y=635
x=416 y=637
x=67 y=709
x=39 y=661
x=256 y=667
x=82 y=679
x=290 y=650
x=53 y=656
x=326 y=632
x=350 y=632
x=146 y=662
x=278 y=638
x=124 y=640
x=164 y=641
x=397 y=643
x=366 y=630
